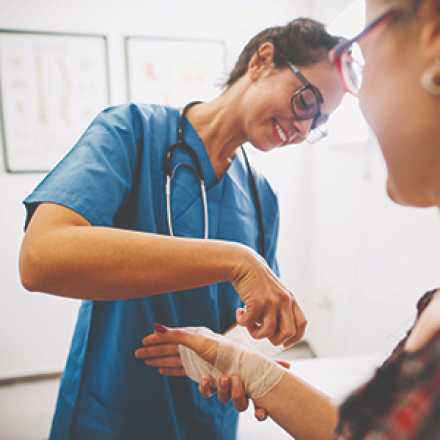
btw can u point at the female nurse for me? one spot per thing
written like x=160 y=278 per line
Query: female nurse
x=402 y=104
x=97 y=229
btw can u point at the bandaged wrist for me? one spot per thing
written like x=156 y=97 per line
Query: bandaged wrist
x=258 y=373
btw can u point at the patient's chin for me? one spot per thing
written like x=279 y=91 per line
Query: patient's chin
x=393 y=193
x=411 y=196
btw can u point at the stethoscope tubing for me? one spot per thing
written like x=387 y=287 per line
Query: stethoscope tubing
x=198 y=171
x=169 y=179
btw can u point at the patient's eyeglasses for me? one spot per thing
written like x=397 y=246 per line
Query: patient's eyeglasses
x=348 y=58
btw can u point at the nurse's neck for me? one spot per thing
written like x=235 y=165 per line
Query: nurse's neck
x=218 y=125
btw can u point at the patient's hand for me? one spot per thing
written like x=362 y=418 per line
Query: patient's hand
x=164 y=356
x=160 y=350
x=427 y=325
x=232 y=388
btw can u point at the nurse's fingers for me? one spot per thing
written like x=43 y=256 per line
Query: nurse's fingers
x=173 y=372
x=301 y=322
x=287 y=329
x=268 y=327
x=164 y=362
x=251 y=314
x=157 y=351
x=224 y=389
x=238 y=394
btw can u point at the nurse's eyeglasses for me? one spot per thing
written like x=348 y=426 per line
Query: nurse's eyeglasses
x=348 y=58
x=306 y=104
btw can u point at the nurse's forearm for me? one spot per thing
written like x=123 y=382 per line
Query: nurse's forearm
x=105 y=263
x=303 y=411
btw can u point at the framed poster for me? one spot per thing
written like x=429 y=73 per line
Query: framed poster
x=51 y=86
x=173 y=71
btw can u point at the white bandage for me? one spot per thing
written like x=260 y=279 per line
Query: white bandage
x=258 y=373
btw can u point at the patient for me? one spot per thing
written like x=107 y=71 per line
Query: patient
x=400 y=97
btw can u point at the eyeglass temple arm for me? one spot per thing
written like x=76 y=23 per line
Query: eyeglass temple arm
x=343 y=46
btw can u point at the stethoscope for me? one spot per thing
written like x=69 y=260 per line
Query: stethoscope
x=196 y=168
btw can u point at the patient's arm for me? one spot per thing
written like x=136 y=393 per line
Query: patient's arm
x=303 y=411
x=300 y=409
x=294 y=405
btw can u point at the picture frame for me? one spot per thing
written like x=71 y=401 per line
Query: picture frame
x=52 y=84
x=173 y=71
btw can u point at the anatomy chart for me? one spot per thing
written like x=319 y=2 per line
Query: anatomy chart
x=52 y=85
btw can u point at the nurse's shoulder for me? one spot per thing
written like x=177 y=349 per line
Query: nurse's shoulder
x=138 y=116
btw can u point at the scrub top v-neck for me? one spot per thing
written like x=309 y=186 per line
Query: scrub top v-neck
x=114 y=177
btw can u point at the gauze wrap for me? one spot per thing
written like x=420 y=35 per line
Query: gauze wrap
x=258 y=373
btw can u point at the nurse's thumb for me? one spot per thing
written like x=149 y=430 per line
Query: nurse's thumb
x=245 y=316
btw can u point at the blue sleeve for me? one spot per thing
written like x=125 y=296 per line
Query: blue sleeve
x=96 y=175
x=272 y=239
x=271 y=214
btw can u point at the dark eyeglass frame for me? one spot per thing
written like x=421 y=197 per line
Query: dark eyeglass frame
x=318 y=118
x=344 y=47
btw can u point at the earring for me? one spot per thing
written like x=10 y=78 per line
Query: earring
x=430 y=80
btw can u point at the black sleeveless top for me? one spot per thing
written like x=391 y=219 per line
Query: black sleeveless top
x=402 y=400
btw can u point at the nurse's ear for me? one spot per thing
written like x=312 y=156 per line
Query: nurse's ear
x=261 y=61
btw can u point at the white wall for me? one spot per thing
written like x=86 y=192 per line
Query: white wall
x=365 y=261
x=35 y=329
x=369 y=259
x=326 y=11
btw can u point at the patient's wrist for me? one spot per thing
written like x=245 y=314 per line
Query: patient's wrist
x=258 y=373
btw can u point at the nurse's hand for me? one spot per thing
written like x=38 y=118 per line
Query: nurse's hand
x=271 y=310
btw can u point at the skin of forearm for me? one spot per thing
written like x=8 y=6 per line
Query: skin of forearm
x=303 y=411
x=102 y=263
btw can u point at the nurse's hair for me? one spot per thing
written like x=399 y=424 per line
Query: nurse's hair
x=302 y=41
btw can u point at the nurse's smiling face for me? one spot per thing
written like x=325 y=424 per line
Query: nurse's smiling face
x=268 y=119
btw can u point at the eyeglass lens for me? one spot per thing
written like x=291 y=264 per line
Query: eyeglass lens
x=305 y=104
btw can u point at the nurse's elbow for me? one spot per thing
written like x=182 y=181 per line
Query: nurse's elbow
x=30 y=268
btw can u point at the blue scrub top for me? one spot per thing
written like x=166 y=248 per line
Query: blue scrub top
x=114 y=177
